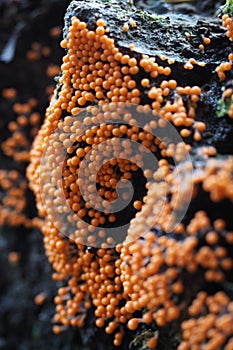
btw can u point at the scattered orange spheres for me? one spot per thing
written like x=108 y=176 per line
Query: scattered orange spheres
x=23 y=130
x=227 y=22
x=13 y=201
x=142 y=275
x=213 y=329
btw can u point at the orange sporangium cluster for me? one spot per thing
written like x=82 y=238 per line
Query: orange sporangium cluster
x=178 y=112
x=13 y=200
x=156 y=209
x=146 y=274
x=217 y=179
x=150 y=281
x=224 y=67
x=38 y=50
x=139 y=282
x=22 y=129
x=153 y=267
x=212 y=175
x=227 y=22
x=95 y=281
x=214 y=178
x=210 y=323
x=94 y=71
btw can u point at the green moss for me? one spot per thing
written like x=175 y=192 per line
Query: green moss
x=223 y=107
x=146 y=16
x=228 y=8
